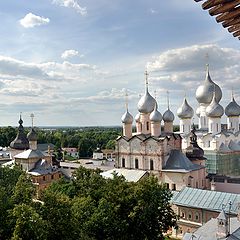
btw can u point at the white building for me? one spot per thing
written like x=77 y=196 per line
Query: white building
x=221 y=146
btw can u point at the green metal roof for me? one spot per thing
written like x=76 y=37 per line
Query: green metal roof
x=206 y=199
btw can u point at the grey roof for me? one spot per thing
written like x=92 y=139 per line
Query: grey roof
x=222 y=215
x=185 y=110
x=206 y=199
x=42 y=167
x=155 y=115
x=21 y=141
x=204 y=93
x=32 y=135
x=31 y=154
x=224 y=148
x=177 y=161
x=232 y=109
x=214 y=109
x=44 y=146
x=146 y=103
x=131 y=175
x=127 y=117
x=234 y=146
x=168 y=116
x=208 y=231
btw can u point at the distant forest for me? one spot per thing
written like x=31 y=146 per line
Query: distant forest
x=86 y=139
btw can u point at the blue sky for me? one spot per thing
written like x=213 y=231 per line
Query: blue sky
x=71 y=61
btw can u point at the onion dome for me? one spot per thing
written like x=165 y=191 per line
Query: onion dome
x=168 y=116
x=198 y=112
x=185 y=111
x=194 y=151
x=204 y=93
x=137 y=117
x=127 y=117
x=232 y=109
x=32 y=135
x=21 y=141
x=146 y=103
x=155 y=116
x=214 y=110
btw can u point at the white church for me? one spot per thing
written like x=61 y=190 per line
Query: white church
x=221 y=145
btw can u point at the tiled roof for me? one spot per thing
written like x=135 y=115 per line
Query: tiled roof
x=206 y=199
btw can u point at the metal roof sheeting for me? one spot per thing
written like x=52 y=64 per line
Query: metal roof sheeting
x=206 y=199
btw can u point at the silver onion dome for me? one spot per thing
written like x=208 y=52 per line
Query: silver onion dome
x=204 y=93
x=155 y=115
x=137 y=117
x=32 y=135
x=185 y=110
x=146 y=103
x=127 y=117
x=232 y=109
x=168 y=116
x=198 y=112
x=214 y=110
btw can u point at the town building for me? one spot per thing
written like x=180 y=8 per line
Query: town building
x=36 y=163
x=196 y=207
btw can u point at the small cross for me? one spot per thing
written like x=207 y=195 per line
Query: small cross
x=146 y=76
x=207 y=58
x=126 y=99
x=168 y=99
x=155 y=94
x=32 y=117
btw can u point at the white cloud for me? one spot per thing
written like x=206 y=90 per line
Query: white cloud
x=70 y=53
x=185 y=66
x=32 y=20
x=71 y=4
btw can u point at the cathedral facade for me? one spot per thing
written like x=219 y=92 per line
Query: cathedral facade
x=157 y=148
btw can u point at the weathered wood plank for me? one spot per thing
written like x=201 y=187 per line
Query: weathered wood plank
x=231 y=22
x=223 y=8
x=228 y=15
x=236 y=34
x=234 y=28
x=211 y=3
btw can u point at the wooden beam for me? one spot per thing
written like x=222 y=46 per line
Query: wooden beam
x=234 y=28
x=223 y=8
x=236 y=34
x=228 y=15
x=212 y=3
x=231 y=22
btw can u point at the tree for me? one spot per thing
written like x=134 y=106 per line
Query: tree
x=57 y=212
x=24 y=190
x=29 y=224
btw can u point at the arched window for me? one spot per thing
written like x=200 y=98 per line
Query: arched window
x=147 y=126
x=123 y=162
x=136 y=163
x=151 y=165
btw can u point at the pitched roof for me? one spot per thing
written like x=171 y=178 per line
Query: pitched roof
x=31 y=154
x=206 y=199
x=177 y=161
x=131 y=175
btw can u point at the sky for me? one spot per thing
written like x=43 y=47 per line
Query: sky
x=71 y=62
